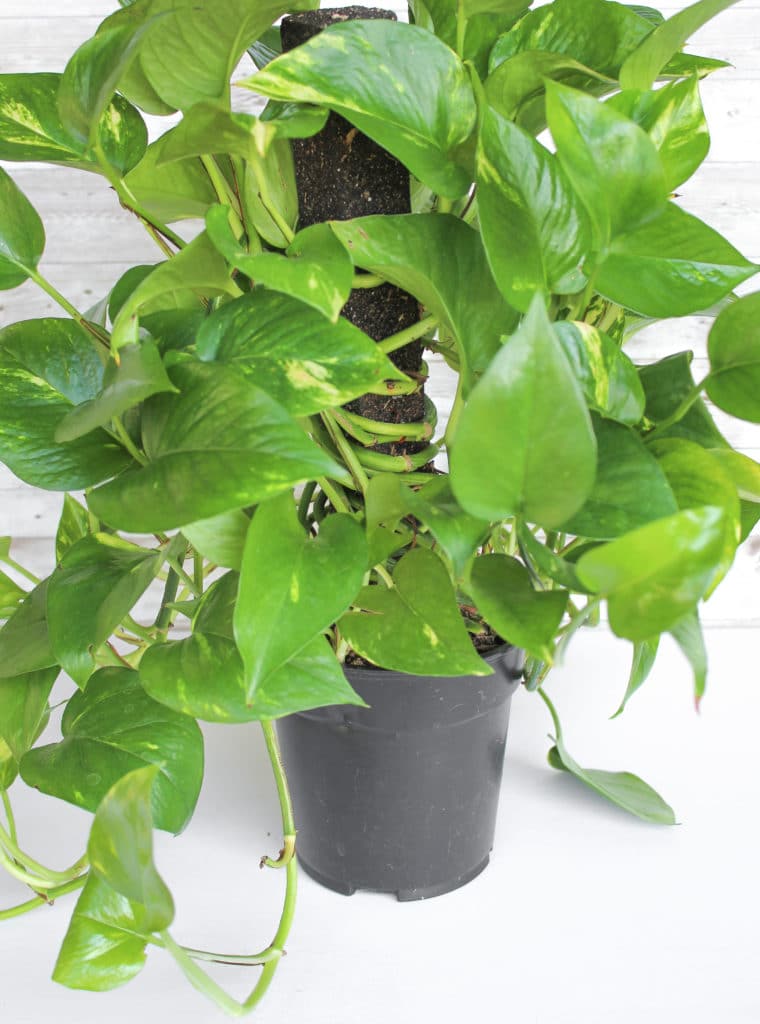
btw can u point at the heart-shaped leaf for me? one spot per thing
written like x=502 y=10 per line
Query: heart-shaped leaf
x=734 y=350
x=22 y=236
x=414 y=626
x=110 y=730
x=289 y=592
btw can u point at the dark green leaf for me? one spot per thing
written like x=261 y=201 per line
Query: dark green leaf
x=611 y=162
x=622 y=788
x=110 y=730
x=204 y=676
x=734 y=350
x=73 y=525
x=414 y=626
x=655 y=575
x=547 y=561
x=507 y=599
x=315 y=268
x=289 y=590
x=220 y=539
x=124 y=287
x=630 y=489
x=535 y=231
x=644 y=655
x=219 y=445
x=266 y=48
x=22 y=236
x=430 y=255
x=170 y=192
x=104 y=946
x=609 y=379
x=666 y=383
x=331 y=364
x=674 y=120
x=24 y=640
x=24 y=709
x=643 y=66
x=121 y=846
x=31 y=127
x=397 y=83
x=46 y=367
x=671 y=266
x=457 y=533
x=526 y=420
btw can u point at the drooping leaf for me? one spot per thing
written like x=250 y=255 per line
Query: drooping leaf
x=111 y=729
x=548 y=562
x=397 y=83
x=671 y=266
x=630 y=489
x=22 y=236
x=104 y=946
x=11 y=595
x=622 y=788
x=24 y=709
x=522 y=615
x=674 y=120
x=315 y=268
x=277 y=176
x=31 y=126
x=73 y=525
x=643 y=66
x=219 y=445
x=644 y=655
x=430 y=255
x=535 y=231
x=456 y=532
x=170 y=192
x=97 y=583
x=745 y=475
x=46 y=367
x=220 y=539
x=331 y=364
x=733 y=347
x=666 y=383
x=528 y=422
x=687 y=633
x=120 y=847
x=138 y=375
x=656 y=574
x=24 y=639
x=414 y=626
x=204 y=676
x=289 y=592
x=609 y=379
x=485 y=21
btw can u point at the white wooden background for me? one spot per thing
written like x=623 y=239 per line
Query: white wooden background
x=91 y=241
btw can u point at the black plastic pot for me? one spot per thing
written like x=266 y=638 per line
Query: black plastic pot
x=401 y=797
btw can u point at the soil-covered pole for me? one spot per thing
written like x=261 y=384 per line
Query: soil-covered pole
x=342 y=174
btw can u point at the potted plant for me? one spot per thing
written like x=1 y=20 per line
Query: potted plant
x=248 y=423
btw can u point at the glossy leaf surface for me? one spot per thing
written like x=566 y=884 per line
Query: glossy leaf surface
x=24 y=639
x=734 y=350
x=22 y=236
x=609 y=379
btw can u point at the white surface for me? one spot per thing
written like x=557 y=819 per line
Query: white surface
x=584 y=916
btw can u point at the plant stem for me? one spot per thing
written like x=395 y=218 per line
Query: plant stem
x=266 y=201
x=346 y=451
x=10 y=842
x=396 y=341
x=63 y=302
x=13 y=564
x=187 y=580
x=461 y=28
x=10 y=817
x=41 y=901
x=121 y=432
x=337 y=498
x=678 y=414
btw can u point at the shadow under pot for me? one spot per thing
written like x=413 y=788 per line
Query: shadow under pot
x=401 y=797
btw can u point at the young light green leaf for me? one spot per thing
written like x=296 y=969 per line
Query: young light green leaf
x=24 y=639
x=674 y=120
x=457 y=533
x=397 y=83
x=31 y=127
x=535 y=231
x=414 y=626
x=611 y=162
x=666 y=384
x=220 y=539
x=510 y=604
x=73 y=525
x=622 y=788
x=96 y=584
x=139 y=374
x=644 y=656
x=110 y=730
x=170 y=192
x=733 y=347
x=609 y=379
x=316 y=268
x=22 y=236
x=204 y=676
x=8 y=766
x=121 y=847
x=671 y=266
x=104 y=946
x=219 y=445
x=687 y=633
x=529 y=394
x=656 y=574
x=11 y=595
x=332 y=363
x=289 y=592
x=643 y=66
x=24 y=709
x=198 y=268
x=630 y=489
x=430 y=255
x=743 y=471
